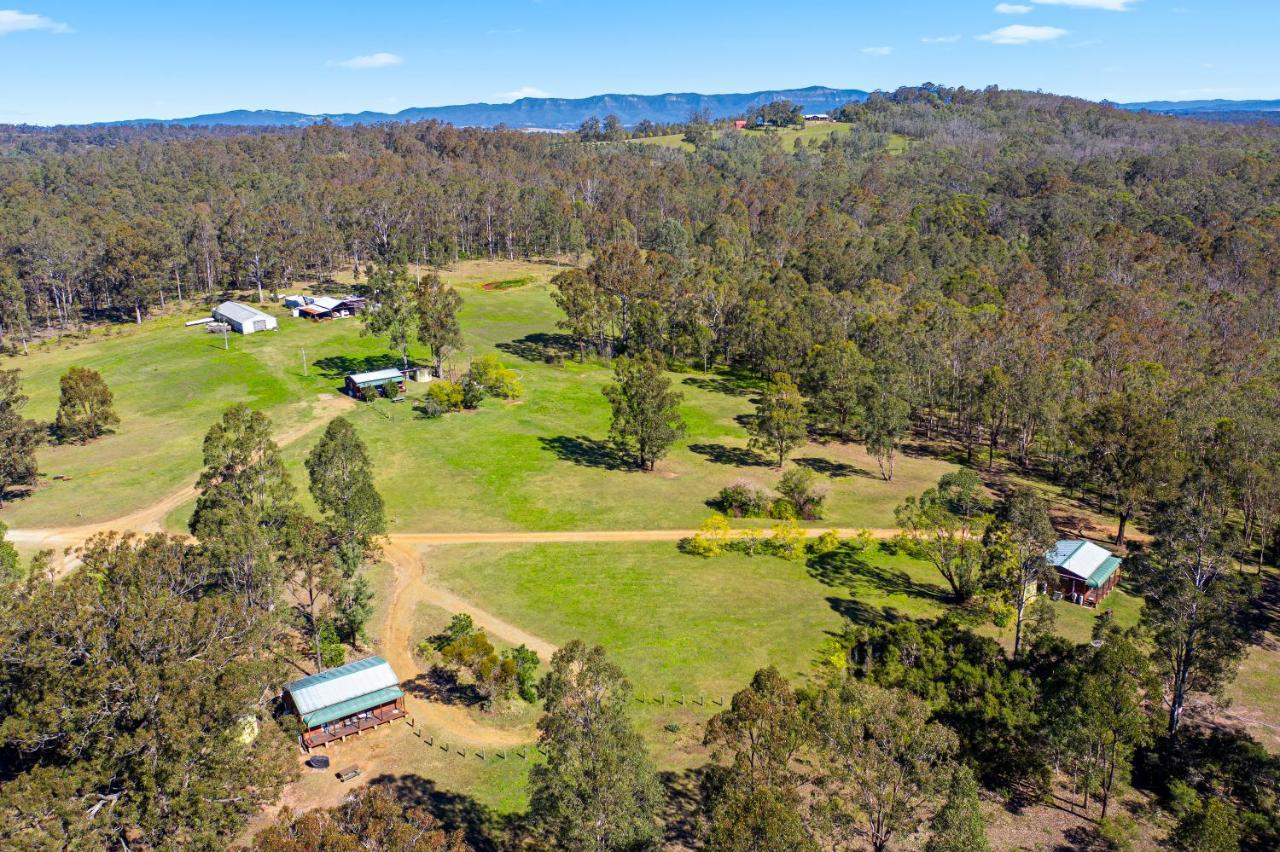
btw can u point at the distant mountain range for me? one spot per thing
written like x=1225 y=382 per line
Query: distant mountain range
x=539 y=113
x=567 y=113
x=1239 y=112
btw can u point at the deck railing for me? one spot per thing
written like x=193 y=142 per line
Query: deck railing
x=381 y=716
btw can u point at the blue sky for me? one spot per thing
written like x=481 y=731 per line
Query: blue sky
x=64 y=62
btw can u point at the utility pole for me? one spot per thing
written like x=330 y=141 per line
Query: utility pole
x=226 y=344
x=304 y=360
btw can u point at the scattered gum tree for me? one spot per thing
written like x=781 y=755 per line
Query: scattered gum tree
x=944 y=526
x=780 y=424
x=646 y=411
x=393 y=309
x=85 y=409
x=1196 y=600
x=958 y=825
x=245 y=504
x=437 y=325
x=1016 y=545
x=884 y=763
x=754 y=803
x=19 y=437
x=597 y=790
x=340 y=475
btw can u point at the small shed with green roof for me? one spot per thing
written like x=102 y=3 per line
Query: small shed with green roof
x=1086 y=572
x=345 y=701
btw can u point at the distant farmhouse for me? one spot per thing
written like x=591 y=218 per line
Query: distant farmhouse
x=244 y=319
x=818 y=116
x=1086 y=572
x=345 y=701
x=324 y=307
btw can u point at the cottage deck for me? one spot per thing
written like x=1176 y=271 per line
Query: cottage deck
x=380 y=716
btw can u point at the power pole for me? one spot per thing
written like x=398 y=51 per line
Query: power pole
x=304 y=360
x=226 y=344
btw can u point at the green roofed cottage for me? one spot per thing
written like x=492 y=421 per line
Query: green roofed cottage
x=350 y=699
x=1086 y=572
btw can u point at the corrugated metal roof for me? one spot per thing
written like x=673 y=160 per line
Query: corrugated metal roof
x=327 y=303
x=1079 y=558
x=352 y=706
x=328 y=688
x=238 y=312
x=376 y=376
x=1104 y=572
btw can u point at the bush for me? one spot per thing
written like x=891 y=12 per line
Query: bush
x=825 y=543
x=444 y=395
x=741 y=500
x=799 y=488
x=493 y=378
x=711 y=540
x=782 y=509
x=473 y=393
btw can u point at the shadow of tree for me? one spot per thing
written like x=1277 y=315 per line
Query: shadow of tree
x=833 y=469
x=728 y=385
x=340 y=366
x=587 y=452
x=441 y=685
x=484 y=830
x=541 y=346
x=681 y=810
x=864 y=614
x=734 y=456
x=848 y=567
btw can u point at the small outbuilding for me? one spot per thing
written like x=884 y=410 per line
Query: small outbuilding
x=1086 y=572
x=345 y=701
x=243 y=318
x=388 y=382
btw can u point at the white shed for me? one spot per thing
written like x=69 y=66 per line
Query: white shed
x=243 y=318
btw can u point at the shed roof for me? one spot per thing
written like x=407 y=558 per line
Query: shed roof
x=341 y=685
x=376 y=376
x=352 y=706
x=1083 y=559
x=327 y=303
x=239 y=312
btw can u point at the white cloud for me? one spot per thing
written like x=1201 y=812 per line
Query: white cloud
x=1108 y=5
x=951 y=39
x=524 y=92
x=877 y=51
x=373 y=60
x=1022 y=34
x=13 y=21
x=1012 y=9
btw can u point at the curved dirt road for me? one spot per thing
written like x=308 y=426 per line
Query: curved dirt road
x=151 y=518
x=398 y=643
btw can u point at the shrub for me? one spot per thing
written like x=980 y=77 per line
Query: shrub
x=782 y=509
x=496 y=380
x=711 y=540
x=525 y=663
x=825 y=543
x=473 y=393
x=741 y=500
x=787 y=540
x=445 y=395
x=798 y=486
